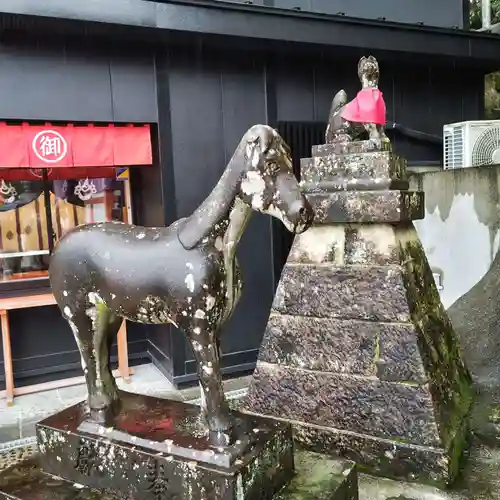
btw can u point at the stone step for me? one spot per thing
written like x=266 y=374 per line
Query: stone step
x=370 y=293
x=367 y=206
x=362 y=405
x=388 y=351
x=380 y=168
x=353 y=147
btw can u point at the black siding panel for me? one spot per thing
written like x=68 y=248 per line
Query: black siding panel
x=197 y=129
x=54 y=83
x=214 y=100
x=294 y=89
x=76 y=82
x=244 y=105
x=133 y=87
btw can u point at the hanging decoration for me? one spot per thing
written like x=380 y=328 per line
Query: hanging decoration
x=85 y=189
x=8 y=192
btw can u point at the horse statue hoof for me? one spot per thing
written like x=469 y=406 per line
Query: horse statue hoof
x=221 y=439
x=106 y=415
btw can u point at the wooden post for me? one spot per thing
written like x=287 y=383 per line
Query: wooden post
x=7 y=358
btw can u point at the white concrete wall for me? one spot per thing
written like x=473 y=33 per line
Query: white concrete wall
x=460 y=232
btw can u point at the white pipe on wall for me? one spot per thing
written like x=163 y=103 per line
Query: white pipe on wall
x=486 y=13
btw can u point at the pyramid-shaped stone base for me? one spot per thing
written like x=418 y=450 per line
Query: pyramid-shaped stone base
x=359 y=354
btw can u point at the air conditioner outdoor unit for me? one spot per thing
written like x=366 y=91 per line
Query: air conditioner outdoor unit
x=471 y=144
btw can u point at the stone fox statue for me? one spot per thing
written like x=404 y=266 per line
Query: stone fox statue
x=185 y=274
x=367 y=109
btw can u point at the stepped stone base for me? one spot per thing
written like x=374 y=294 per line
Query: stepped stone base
x=360 y=356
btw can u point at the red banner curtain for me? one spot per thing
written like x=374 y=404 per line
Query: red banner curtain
x=48 y=146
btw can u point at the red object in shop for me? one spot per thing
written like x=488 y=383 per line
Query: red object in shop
x=71 y=151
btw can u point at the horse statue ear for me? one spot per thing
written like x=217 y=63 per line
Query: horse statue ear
x=264 y=137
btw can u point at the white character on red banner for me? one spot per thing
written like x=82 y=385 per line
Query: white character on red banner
x=50 y=146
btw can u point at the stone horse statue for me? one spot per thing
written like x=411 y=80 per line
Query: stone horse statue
x=185 y=274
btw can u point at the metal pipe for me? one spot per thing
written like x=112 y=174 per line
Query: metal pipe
x=48 y=212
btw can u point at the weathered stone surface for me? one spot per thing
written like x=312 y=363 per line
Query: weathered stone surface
x=449 y=380
x=321 y=344
x=368 y=244
x=350 y=292
x=379 y=456
x=367 y=206
x=354 y=147
x=157 y=445
x=318 y=478
x=321 y=478
x=366 y=405
x=26 y=481
x=387 y=350
x=398 y=357
x=360 y=328
x=342 y=244
x=364 y=171
x=359 y=354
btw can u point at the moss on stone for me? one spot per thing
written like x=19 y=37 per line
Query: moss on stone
x=449 y=380
x=321 y=478
x=270 y=470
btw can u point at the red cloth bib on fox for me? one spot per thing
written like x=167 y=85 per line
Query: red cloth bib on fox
x=367 y=107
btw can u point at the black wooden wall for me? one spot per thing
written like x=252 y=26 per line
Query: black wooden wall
x=201 y=101
x=213 y=99
x=74 y=81
x=214 y=96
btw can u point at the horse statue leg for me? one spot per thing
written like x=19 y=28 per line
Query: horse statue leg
x=205 y=345
x=94 y=328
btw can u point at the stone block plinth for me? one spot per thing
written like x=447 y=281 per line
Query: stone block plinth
x=159 y=449
x=359 y=354
x=317 y=477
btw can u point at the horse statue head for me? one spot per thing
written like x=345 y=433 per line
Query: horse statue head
x=259 y=176
x=268 y=184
